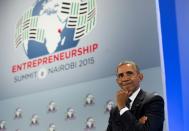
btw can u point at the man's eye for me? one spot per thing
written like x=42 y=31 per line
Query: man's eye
x=121 y=75
x=129 y=73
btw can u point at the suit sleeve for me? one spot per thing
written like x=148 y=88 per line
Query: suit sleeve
x=114 y=123
x=154 y=110
x=109 y=128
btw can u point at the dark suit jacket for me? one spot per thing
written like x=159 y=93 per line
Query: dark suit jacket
x=150 y=105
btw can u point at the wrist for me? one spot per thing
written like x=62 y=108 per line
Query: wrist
x=121 y=107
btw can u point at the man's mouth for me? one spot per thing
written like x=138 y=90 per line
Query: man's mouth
x=126 y=83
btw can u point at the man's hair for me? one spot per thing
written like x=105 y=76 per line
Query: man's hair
x=128 y=62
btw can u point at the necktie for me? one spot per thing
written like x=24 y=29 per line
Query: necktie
x=128 y=103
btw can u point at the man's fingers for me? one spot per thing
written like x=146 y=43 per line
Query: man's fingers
x=143 y=119
x=124 y=91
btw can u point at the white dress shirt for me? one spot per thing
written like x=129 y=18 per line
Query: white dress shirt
x=132 y=98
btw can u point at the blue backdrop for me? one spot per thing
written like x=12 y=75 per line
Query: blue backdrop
x=174 y=26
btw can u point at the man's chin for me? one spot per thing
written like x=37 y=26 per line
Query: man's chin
x=127 y=88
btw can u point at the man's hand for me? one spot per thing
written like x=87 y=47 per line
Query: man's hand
x=121 y=98
x=143 y=119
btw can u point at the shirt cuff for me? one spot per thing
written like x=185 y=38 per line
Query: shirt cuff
x=123 y=110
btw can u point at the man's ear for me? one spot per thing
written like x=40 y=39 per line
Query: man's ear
x=141 y=76
x=118 y=81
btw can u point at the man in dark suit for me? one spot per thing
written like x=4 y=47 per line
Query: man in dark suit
x=136 y=110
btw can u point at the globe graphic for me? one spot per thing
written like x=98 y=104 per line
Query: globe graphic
x=50 y=26
x=57 y=36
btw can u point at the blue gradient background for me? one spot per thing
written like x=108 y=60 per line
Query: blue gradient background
x=175 y=30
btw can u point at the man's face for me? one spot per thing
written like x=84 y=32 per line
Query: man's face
x=128 y=77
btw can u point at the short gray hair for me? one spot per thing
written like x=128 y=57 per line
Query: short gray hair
x=128 y=62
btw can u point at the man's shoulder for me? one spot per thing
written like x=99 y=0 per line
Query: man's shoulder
x=150 y=97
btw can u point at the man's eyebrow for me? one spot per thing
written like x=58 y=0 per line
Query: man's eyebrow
x=129 y=72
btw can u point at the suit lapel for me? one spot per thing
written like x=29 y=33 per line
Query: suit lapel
x=137 y=102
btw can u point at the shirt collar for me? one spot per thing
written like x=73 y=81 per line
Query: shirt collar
x=134 y=95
